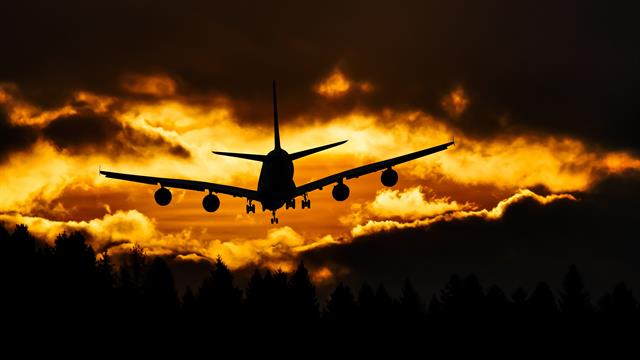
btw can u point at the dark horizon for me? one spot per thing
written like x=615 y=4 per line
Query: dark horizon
x=73 y=279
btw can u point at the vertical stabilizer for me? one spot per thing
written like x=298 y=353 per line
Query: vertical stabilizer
x=276 y=128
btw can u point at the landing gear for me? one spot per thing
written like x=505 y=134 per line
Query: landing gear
x=274 y=219
x=306 y=202
x=290 y=204
x=251 y=208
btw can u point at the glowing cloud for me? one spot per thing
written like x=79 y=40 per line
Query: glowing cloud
x=374 y=226
x=155 y=85
x=407 y=204
x=121 y=230
x=455 y=103
x=337 y=84
x=41 y=178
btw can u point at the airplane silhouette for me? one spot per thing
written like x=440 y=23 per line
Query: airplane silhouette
x=276 y=187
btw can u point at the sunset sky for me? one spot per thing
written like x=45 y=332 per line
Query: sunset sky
x=541 y=97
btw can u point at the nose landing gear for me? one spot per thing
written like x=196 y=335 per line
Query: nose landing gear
x=274 y=219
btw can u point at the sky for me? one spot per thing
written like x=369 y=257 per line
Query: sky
x=541 y=98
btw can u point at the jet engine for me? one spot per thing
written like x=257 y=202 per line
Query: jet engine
x=340 y=192
x=389 y=177
x=211 y=203
x=162 y=196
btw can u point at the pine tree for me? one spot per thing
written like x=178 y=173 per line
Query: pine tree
x=219 y=299
x=383 y=305
x=574 y=299
x=623 y=305
x=159 y=290
x=542 y=304
x=255 y=296
x=434 y=310
x=303 y=296
x=411 y=305
x=366 y=303
x=341 y=305
x=497 y=304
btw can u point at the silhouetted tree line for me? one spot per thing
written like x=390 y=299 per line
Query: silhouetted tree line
x=70 y=282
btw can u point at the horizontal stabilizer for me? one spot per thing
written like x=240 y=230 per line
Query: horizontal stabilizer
x=254 y=157
x=304 y=153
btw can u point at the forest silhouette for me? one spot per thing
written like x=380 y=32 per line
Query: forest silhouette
x=68 y=282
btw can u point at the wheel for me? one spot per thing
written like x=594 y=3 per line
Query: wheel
x=276 y=220
x=271 y=221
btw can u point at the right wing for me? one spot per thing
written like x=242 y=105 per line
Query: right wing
x=185 y=184
x=367 y=169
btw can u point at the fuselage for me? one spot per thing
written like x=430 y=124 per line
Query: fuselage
x=276 y=186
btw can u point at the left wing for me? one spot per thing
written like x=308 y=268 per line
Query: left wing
x=367 y=169
x=185 y=184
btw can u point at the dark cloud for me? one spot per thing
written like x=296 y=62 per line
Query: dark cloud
x=566 y=68
x=14 y=138
x=97 y=133
x=85 y=133
x=78 y=132
x=531 y=242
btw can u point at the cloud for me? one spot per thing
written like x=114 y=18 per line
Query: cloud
x=407 y=204
x=497 y=52
x=154 y=85
x=455 y=103
x=121 y=230
x=427 y=213
x=14 y=138
x=91 y=132
x=525 y=239
x=337 y=85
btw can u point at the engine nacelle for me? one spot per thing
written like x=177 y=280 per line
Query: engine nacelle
x=389 y=177
x=211 y=203
x=162 y=196
x=340 y=192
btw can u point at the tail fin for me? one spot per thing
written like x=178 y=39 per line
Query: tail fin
x=303 y=153
x=276 y=128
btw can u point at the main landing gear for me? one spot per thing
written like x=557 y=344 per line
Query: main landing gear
x=274 y=219
x=290 y=204
x=251 y=208
x=306 y=202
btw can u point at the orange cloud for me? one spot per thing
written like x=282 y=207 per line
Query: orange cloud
x=322 y=275
x=155 y=85
x=41 y=176
x=24 y=113
x=407 y=204
x=374 y=226
x=455 y=103
x=278 y=249
x=337 y=84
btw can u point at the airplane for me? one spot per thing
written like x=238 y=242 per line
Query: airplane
x=276 y=187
